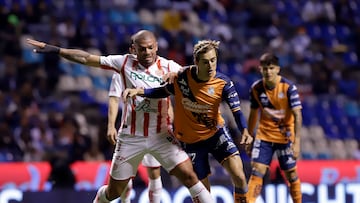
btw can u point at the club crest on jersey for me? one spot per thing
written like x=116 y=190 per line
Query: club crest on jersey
x=211 y=90
x=281 y=95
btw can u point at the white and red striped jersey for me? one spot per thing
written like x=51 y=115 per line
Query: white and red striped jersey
x=140 y=116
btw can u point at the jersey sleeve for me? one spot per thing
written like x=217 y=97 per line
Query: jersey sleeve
x=174 y=67
x=116 y=86
x=231 y=97
x=294 y=97
x=113 y=62
x=252 y=98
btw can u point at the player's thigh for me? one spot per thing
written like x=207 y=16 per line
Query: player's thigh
x=262 y=152
x=129 y=152
x=261 y=155
x=150 y=161
x=285 y=155
x=222 y=146
x=152 y=165
x=166 y=149
x=199 y=155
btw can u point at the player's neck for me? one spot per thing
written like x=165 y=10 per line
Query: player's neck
x=270 y=84
x=197 y=77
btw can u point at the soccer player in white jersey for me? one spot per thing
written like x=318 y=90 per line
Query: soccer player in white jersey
x=144 y=69
x=152 y=165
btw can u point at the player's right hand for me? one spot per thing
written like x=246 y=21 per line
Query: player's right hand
x=42 y=47
x=37 y=44
x=111 y=135
x=130 y=93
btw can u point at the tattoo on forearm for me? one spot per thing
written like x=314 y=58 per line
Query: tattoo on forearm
x=75 y=55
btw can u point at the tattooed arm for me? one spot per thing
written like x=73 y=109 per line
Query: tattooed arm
x=74 y=55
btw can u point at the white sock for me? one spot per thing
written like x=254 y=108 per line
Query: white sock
x=101 y=195
x=155 y=189
x=125 y=196
x=200 y=194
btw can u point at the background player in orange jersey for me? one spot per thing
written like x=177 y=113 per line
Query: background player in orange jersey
x=278 y=102
x=198 y=92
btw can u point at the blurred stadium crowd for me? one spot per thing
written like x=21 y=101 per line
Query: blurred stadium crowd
x=52 y=109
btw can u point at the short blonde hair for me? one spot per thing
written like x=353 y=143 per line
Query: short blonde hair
x=204 y=46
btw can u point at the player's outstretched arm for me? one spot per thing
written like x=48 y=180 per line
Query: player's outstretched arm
x=74 y=55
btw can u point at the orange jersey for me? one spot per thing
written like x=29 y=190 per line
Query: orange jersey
x=276 y=117
x=197 y=115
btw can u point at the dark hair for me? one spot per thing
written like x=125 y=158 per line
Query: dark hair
x=268 y=59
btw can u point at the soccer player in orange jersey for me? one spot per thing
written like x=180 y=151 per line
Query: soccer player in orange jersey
x=277 y=100
x=198 y=92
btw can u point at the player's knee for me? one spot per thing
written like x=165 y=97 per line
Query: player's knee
x=116 y=188
x=291 y=175
x=186 y=175
x=259 y=169
x=257 y=172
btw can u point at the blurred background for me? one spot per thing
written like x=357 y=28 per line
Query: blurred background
x=54 y=112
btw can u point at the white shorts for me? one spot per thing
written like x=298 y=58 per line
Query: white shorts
x=130 y=150
x=150 y=161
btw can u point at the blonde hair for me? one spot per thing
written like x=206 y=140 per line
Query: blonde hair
x=204 y=46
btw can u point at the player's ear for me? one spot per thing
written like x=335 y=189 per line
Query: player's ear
x=277 y=69
x=132 y=48
x=156 y=46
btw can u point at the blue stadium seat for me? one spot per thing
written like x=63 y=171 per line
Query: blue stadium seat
x=30 y=57
x=308 y=112
x=65 y=67
x=350 y=58
x=79 y=70
x=101 y=82
x=348 y=87
x=86 y=97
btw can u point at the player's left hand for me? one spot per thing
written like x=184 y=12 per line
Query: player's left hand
x=247 y=141
x=37 y=44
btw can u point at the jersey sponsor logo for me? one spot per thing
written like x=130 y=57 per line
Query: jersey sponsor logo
x=145 y=77
x=194 y=106
x=144 y=106
x=199 y=111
